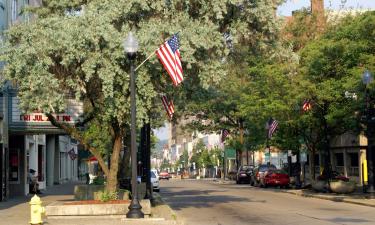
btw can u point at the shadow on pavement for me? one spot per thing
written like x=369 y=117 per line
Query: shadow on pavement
x=348 y=220
x=60 y=192
x=199 y=198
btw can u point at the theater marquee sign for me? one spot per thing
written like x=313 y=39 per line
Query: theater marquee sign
x=38 y=122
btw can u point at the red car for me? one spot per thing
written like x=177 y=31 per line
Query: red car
x=276 y=178
x=164 y=175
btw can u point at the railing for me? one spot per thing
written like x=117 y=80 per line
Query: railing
x=353 y=171
x=339 y=169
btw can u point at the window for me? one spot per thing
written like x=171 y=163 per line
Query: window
x=339 y=159
x=14 y=9
x=354 y=159
x=316 y=160
x=41 y=163
x=14 y=163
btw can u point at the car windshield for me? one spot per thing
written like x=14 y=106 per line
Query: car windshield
x=246 y=168
x=279 y=171
x=153 y=174
x=266 y=167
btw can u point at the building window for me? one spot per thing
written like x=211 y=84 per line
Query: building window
x=14 y=11
x=339 y=159
x=41 y=163
x=354 y=159
x=316 y=160
x=14 y=163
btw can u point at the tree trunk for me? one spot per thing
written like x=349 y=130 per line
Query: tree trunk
x=112 y=177
x=125 y=169
x=312 y=165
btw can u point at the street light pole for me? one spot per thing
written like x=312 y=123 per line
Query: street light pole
x=367 y=79
x=131 y=48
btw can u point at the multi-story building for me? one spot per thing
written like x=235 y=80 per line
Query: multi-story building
x=28 y=141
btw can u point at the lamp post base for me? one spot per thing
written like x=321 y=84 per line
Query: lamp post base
x=135 y=211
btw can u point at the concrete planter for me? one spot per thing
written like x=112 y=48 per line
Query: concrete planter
x=320 y=186
x=342 y=187
x=86 y=192
x=59 y=210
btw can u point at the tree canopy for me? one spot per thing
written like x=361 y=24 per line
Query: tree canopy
x=75 y=49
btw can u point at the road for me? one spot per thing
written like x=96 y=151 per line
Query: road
x=202 y=202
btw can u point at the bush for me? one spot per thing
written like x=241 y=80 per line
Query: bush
x=99 y=180
x=106 y=196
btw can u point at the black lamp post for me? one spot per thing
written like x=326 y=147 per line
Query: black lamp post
x=131 y=48
x=367 y=79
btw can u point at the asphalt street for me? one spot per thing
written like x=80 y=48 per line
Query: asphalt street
x=202 y=202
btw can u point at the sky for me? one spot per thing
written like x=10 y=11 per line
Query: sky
x=162 y=133
x=291 y=5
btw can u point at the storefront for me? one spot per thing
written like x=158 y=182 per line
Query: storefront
x=30 y=142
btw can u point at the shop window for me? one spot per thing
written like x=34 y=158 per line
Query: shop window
x=339 y=159
x=14 y=163
x=316 y=160
x=354 y=159
x=41 y=163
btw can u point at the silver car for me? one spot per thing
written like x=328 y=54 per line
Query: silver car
x=155 y=182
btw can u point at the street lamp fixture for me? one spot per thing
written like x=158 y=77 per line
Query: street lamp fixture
x=131 y=48
x=367 y=79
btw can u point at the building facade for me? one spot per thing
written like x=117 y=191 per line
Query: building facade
x=27 y=140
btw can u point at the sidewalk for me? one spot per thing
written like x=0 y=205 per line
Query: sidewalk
x=355 y=198
x=16 y=211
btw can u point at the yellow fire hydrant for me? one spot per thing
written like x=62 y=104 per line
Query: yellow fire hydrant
x=36 y=210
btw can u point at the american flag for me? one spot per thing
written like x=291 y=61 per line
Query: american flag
x=168 y=106
x=224 y=134
x=306 y=105
x=272 y=125
x=169 y=56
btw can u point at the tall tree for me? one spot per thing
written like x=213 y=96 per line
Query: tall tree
x=74 y=48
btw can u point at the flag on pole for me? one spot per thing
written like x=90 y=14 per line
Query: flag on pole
x=169 y=56
x=272 y=125
x=306 y=105
x=224 y=134
x=168 y=106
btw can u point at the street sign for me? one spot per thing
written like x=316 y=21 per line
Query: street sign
x=230 y=153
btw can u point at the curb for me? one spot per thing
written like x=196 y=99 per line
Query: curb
x=334 y=199
x=158 y=201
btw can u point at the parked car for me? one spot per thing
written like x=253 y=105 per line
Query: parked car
x=244 y=174
x=278 y=178
x=164 y=175
x=155 y=172
x=257 y=179
x=155 y=182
